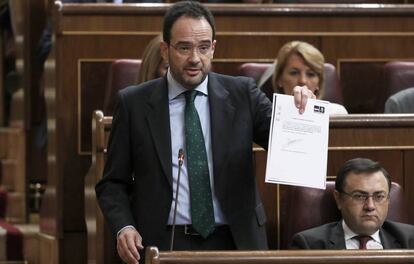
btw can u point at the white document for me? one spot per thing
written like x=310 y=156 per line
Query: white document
x=298 y=143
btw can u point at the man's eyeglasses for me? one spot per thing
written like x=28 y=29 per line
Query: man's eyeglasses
x=361 y=197
x=187 y=49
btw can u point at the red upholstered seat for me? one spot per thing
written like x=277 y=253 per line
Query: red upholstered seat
x=255 y=71
x=303 y=208
x=333 y=91
x=124 y=72
x=14 y=241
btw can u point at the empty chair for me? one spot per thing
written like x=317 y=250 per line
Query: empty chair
x=302 y=208
x=123 y=73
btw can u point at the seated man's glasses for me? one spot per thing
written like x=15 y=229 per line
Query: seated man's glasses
x=362 y=197
x=187 y=49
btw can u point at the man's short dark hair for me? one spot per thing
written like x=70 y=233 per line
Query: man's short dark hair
x=359 y=166
x=192 y=9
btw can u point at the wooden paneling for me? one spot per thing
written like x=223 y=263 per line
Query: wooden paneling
x=269 y=195
x=34 y=104
x=362 y=100
x=48 y=246
x=89 y=73
x=13 y=171
x=408 y=162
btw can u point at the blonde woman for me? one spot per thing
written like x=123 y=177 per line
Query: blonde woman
x=301 y=64
x=153 y=65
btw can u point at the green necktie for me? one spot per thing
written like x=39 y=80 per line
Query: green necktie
x=202 y=213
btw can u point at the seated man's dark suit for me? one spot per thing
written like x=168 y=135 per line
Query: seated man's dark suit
x=137 y=185
x=393 y=235
x=401 y=102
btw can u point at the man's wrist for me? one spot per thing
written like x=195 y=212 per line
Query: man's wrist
x=122 y=229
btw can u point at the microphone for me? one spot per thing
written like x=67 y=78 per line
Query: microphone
x=180 y=164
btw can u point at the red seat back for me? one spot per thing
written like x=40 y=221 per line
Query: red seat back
x=124 y=72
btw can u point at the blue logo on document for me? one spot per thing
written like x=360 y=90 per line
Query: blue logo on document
x=319 y=109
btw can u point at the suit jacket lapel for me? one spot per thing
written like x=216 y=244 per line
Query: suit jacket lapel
x=159 y=123
x=221 y=116
x=337 y=238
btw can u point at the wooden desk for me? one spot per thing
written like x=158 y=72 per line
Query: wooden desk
x=280 y=257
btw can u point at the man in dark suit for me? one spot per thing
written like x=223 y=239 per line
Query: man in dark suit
x=150 y=126
x=362 y=190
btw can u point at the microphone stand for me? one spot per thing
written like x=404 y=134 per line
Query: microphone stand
x=180 y=164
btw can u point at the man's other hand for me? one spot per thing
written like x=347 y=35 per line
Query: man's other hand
x=129 y=241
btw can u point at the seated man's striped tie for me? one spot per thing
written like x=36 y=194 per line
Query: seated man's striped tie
x=363 y=240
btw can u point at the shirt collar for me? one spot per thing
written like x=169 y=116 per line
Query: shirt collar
x=175 y=88
x=349 y=234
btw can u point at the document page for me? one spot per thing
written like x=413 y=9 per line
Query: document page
x=298 y=143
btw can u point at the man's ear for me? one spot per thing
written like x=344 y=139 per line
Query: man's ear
x=338 y=201
x=213 y=48
x=164 y=51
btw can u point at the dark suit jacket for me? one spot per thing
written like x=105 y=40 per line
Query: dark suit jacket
x=401 y=102
x=140 y=146
x=393 y=235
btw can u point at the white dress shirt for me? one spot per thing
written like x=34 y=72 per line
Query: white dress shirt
x=353 y=243
x=177 y=107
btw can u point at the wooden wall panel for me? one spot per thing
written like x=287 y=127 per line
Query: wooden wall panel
x=34 y=22
x=269 y=195
x=392 y=160
x=233 y=46
x=366 y=75
x=93 y=76
x=409 y=180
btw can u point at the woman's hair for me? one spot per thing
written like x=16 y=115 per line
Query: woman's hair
x=151 y=59
x=312 y=57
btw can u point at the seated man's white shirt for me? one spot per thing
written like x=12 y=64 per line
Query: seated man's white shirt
x=353 y=243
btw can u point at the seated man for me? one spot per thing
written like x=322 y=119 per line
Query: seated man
x=361 y=193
